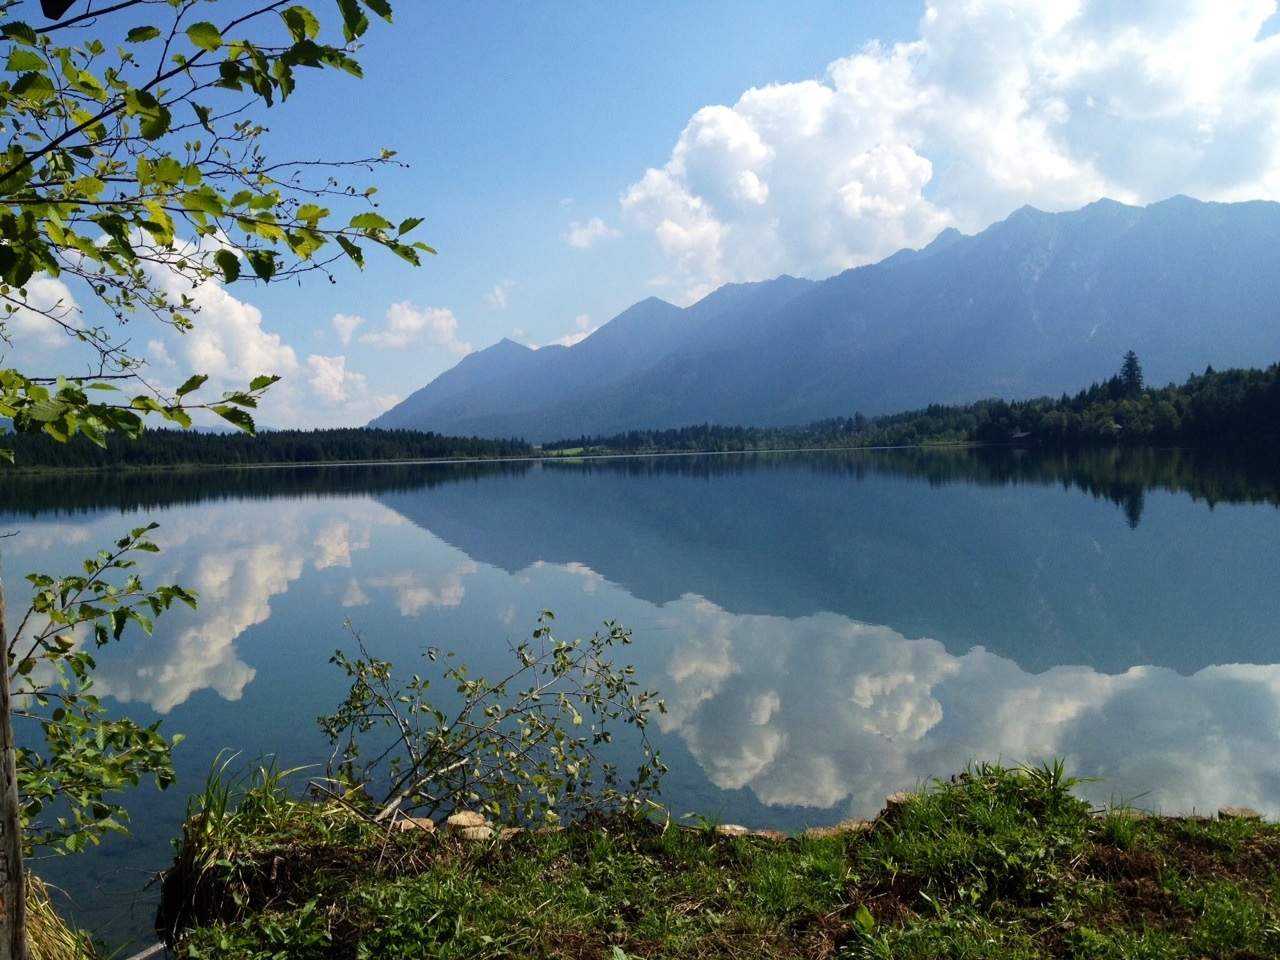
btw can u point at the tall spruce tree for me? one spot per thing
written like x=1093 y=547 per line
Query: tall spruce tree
x=1131 y=375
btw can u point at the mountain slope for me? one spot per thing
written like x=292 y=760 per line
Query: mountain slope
x=1037 y=304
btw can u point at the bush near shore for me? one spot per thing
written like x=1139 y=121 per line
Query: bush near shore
x=996 y=862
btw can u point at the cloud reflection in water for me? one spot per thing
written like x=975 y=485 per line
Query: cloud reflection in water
x=824 y=711
x=236 y=567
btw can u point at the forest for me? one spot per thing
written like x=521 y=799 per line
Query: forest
x=181 y=448
x=1232 y=407
x=1235 y=408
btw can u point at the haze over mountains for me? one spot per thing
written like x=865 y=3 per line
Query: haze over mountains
x=1038 y=304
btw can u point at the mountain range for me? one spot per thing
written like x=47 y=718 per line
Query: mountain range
x=1037 y=304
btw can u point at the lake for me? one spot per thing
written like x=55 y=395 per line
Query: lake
x=825 y=628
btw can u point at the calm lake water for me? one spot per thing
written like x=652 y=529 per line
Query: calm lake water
x=825 y=628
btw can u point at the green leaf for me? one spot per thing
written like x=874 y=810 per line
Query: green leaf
x=160 y=225
x=89 y=187
x=240 y=398
x=381 y=7
x=406 y=253
x=22 y=60
x=47 y=410
x=196 y=382
x=146 y=404
x=168 y=171
x=86 y=82
x=203 y=113
x=142 y=34
x=302 y=23
x=312 y=212
x=205 y=200
x=153 y=115
x=354 y=22
x=177 y=415
x=352 y=250
x=262 y=382
x=263 y=263
x=19 y=32
x=229 y=264
x=407 y=225
x=33 y=86
x=235 y=416
x=862 y=917
x=370 y=221
x=205 y=36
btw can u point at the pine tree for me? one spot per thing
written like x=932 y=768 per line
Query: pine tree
x=1131 y=375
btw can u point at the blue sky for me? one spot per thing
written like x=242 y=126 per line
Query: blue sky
x=573 y=158
x=520 y=121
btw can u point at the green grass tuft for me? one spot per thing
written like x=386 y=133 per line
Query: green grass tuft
x=997 y=862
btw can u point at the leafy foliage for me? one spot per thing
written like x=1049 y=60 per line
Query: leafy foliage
x=86 y=755
x=132 y=169
x=134 y=159
x=525 y=748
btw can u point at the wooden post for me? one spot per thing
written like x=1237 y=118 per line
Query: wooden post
x=13 y=899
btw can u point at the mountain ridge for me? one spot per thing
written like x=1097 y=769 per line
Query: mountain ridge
x=1038 y=303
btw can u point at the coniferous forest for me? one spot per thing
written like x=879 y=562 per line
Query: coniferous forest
x=179 y=448
x=1229 y=408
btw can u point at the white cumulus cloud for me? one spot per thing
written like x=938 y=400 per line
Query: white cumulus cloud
x=995 y=105
x=345 y=324
x=498 y=297
x=229 y=343
x=407 y=324
x=33 y=331
x=583 y=236
x=331 y=380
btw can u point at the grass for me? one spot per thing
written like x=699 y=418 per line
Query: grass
x=996 y=862
x=48 y=937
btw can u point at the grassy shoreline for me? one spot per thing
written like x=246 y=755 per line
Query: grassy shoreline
x=995 y=862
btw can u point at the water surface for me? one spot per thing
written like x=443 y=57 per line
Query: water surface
x=825 y=629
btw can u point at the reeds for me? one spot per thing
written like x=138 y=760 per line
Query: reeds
x=48 y=936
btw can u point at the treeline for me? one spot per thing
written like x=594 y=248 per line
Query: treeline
x=1232 y=407
x=1120 y=474
x=74 y=492
x=177 y=448
x=708 y=438
x=1240 y=407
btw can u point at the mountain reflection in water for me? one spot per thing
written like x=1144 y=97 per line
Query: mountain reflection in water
x=825 y=628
